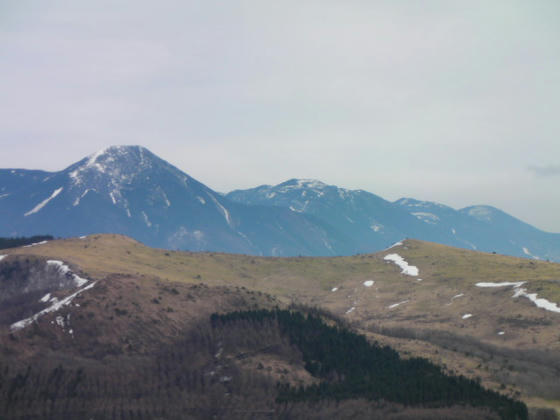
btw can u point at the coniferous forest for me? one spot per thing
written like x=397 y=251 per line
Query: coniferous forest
x=351 y=367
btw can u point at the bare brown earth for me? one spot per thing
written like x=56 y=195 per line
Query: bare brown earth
x=146 y=300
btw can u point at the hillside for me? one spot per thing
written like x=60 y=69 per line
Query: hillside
x=146 y=299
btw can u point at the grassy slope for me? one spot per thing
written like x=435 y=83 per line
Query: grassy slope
x=471 y=346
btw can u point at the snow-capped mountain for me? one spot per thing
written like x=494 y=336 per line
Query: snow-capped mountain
x=129 y=190
x=372 y=222
x=485 y=228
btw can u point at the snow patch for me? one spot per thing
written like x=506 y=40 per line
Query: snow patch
x=78 y=199
x=394 y=305
x=429 y=218
x=466 y=316
x=394 y=245
x=146 y=220
x=202 y=200
x=502 y=284
x=352 y=309
x=334 y=289
x=368 y=283
x=376 y=228
x=35 y=244
x=112 y=198
x=45 y=298
x=501 y=332
x=410 y=270
x=43 y=203
x=310 y=183
x=539 y=302
x=83 y=237
x=64 y=269
x=455 y=297
x=473 y=246
x=222 y=209
x=527 y=252
x=480 y=213
x=92 y=161
x=2 y=257
x=167 y=202
x=53 y=308
x=521 y=291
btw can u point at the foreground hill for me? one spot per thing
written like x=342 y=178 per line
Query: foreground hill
x=489 y=317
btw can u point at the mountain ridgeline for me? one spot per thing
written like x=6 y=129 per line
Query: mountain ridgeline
x=128 y=190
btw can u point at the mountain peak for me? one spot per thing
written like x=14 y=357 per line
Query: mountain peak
x=482 y=213
x=113 y=153
x=119 y=161
x=412 y=203
x=303 y=183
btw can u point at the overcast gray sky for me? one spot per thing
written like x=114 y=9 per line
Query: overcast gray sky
x=449 y=101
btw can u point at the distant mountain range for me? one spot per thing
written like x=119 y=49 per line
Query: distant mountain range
x=131 y=191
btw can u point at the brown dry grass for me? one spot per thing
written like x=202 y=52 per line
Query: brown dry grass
x=445 y=273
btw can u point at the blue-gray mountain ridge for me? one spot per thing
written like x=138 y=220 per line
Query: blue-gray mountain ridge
x=128 y=190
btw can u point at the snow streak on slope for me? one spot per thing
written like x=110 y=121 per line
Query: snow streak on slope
x=65 y=270
x=429 y=218
x=539 y=302
x=394 y=305
x=394 y=245
x=502 y=284
x=222 y=209
x=410 y=270
x=53 y=308
x=78 y=199
x=528 y=253
x=521 y=291
x=43 y=203
x=35 y=244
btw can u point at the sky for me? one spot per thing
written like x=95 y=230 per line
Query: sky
x=448 y=101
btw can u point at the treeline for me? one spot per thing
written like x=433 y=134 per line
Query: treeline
x=23 y=240
x=351 y=367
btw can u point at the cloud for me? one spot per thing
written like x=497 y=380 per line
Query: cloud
x=545 y=170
